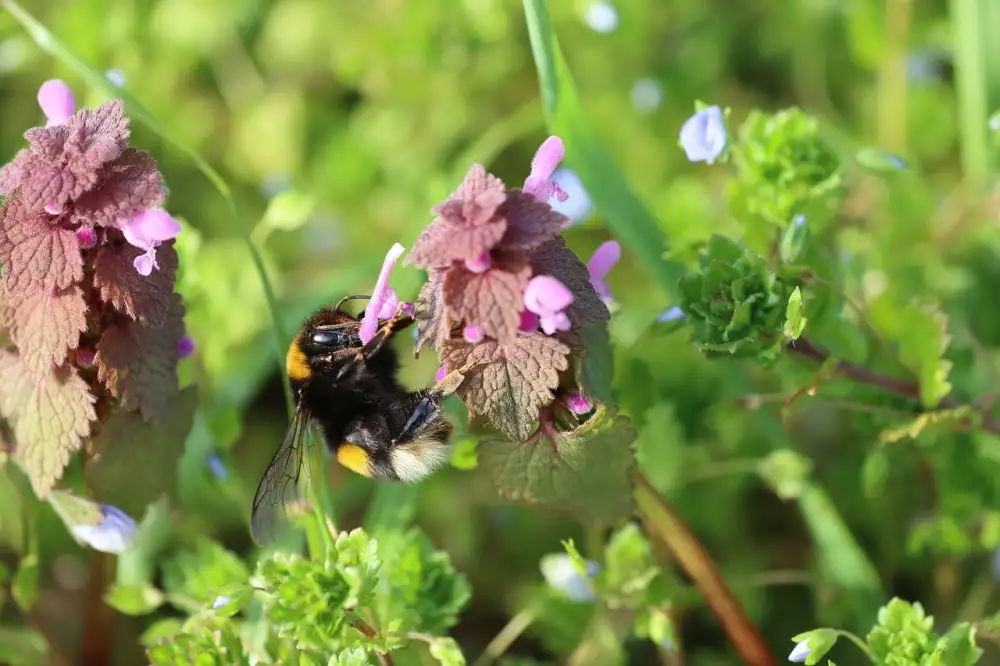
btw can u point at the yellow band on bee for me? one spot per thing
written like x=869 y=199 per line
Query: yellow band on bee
x=354 y=458
x=296 y=363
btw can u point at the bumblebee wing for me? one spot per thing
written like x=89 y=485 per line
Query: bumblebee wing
x=283 y=486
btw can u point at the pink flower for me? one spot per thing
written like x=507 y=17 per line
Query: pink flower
x=384 y=302
x=529 y=321
x=185 y=346
x=547 y=297
x=147 y=229
x=539 y=181
x=87 y=237
x=441 y=373
x=472 y=334
x=480 y=264
x=57 y=102
x=603 y=260
x=578 y=403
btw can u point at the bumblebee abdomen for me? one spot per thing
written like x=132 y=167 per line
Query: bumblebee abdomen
x=296 y=362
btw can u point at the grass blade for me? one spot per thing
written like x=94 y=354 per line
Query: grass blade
x=968 y=18
x=51 y=44
x=630 y=219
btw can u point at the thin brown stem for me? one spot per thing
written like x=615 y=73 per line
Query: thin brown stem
x=862 y=375
x=665 y=525
x=358 y=623
x=99 y=618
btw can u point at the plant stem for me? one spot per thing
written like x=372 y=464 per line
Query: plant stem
x=860 y=643
x=892 y=92
x=99 y=618
x=506 y=636
x=663 y=523
x=970 y=81
x=862 y=375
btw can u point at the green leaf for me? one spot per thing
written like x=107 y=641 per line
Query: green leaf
x=138 y=461
x=879 y=160
x=921 y=332
x=625 y=213
x=136 y=566
x=794 y=239
x=24 y=587
x=134 y=599
x=903 y=634
x=11 y=508
x=629 y=568
x=586 y=472
x=597 y=369
x=21 y=646
x=958 y=646
x=418 y=587
x=795 y=322
x=350 y=657
x=874 y=472
x=193 y=579
x=447 y=652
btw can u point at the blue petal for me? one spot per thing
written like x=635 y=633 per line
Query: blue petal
x=800 y=652
x=214 y=463
x=703 y=135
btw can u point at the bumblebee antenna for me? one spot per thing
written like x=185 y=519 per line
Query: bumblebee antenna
x=354 y=297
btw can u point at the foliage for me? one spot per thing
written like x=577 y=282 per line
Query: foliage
x=772 y=409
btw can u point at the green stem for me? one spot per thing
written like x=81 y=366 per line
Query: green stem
x=892 y=86
x=970 y=81
x=860 y=643
x=506 y=636
x=48 y=42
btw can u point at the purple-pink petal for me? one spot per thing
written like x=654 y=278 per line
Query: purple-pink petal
x=539 y=182
x=545 y=295
x=185 y=346
x=145 y=263
x=480 y=264
x=380 y=294
x=529 y=321
x=52 y=208
x=390 y=305
x=551 y=323
x=150 y=227
x=578 y=403
x=473 y=334
x=87 y=237
x=441 y=373
x=604 y=259
x=57 y=102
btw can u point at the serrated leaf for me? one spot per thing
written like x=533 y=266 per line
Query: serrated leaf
x=628 y=568
x=922 y=335
x=138 y=363
x=795 y=321
x=135 y=462
x=134 y=599
x=128 y=184
x=530 y=222
x=147 y=299
x=958 y=646
x=447 y=652
x=510 y=382
x=50 y=417
x=44 y=326
x=24 y=587
x=36 y=256
x=491 y=300
x=419 y=587
x=195 y=578
x=586 y=472
x=350 y=657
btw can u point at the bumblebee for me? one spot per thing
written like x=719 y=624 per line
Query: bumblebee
x=348 y=393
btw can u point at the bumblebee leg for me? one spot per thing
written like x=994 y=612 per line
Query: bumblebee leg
x=422 y=413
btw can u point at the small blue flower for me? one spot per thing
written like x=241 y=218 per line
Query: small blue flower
x=799 y=220
x=703 y=135
x=673 y=314
x=561 y=575
x=116 y=76
x=800 y=652
x=112 y=535
x=215 y=465
x=220 y=601
x=578 y=203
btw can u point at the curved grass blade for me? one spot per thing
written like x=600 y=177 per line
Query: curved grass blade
x=630 y=219
x=50 y=43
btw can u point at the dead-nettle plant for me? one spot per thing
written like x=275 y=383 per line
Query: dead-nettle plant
x=513 y=310
x=93 y=327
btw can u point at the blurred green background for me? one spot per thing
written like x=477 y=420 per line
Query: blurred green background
x=339 y=124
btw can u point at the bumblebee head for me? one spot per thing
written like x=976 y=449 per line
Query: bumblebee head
x=326 y=337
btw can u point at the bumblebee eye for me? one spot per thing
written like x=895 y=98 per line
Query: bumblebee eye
x=327 y=338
